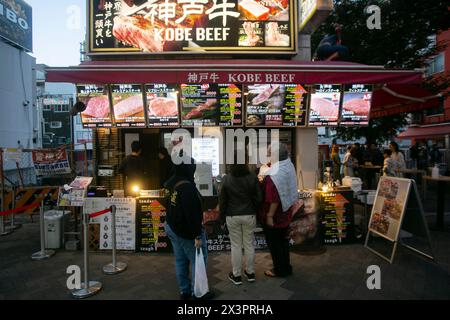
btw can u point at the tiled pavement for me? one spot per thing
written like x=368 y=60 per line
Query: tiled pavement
x=339 y=273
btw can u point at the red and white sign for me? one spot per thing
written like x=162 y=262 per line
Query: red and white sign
x=48 y=162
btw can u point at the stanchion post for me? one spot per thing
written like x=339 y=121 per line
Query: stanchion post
x=43 y=254
x=88 y=288
x=13 y=201
x=114 y=267
x=3 y=232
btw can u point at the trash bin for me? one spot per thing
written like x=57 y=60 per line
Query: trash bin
x=54 y=228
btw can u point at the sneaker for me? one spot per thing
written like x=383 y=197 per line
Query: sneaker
x=236 y=280
x=250 y=276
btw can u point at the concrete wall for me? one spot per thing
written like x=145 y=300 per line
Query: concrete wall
x=17 y=84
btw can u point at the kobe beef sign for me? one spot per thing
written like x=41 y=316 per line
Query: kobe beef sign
x=192 y=26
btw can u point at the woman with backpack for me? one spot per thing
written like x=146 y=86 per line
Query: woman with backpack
x=239 y=201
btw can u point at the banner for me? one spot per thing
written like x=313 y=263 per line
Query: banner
x=49 y=162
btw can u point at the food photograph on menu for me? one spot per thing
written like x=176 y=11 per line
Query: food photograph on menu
x=97 y=113
x=128 y=105
x=356 y=104
x=199 y=105
x=324 y=105
x=276 y=105
x=162 y=26
x=162 y=105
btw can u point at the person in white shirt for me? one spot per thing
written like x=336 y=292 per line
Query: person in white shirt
x=398 y=159
x=388 y=167
x=349 y=163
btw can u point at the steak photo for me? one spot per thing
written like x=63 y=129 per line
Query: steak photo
x=325 y=108
x=97 y=107
x=137 y=32
x=128 y=107
x=163 y=107
x=359 y=107
x=265 y=94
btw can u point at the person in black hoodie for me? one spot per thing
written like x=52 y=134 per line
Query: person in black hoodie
x=184 y=226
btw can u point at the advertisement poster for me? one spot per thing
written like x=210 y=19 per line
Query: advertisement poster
x=162 y=105
x=230 y=104
x=16 y=23
x=202 y=26
x=338 y=217
x=98 y=112
x=356 y=105
x=276 y=105
x=200 y=105
x=150 y=233
x=389 y=207
x=128 y=105
x=49 y=162
x=304 y=229
x=324 y=106
x=125 y=221
x=71 y=197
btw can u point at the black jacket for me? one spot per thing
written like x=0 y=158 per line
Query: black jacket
x=184 y=214
x=240 y=196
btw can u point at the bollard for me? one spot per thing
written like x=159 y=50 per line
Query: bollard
x=114 y=267
x=43 y=254
x=88 y=288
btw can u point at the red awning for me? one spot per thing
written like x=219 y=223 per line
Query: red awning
x=401 y=92
x=229 y=71
x=425 y=132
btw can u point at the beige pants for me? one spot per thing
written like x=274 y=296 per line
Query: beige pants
x=241 y=230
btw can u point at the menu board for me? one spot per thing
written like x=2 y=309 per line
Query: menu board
x=389 y=207
x=98 y=111
x=162 y=105
x=356 y=104
x=125 y=221
x=324 y=106
x=128 y=105
x=150 y=233
x=338 y=217
x=199 y=105
x=230 y=102
x=276 y=105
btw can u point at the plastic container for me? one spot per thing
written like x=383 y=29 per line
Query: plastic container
x=54 y=228
x=435 y=171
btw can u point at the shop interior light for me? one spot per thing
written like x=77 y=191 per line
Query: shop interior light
x=136 y=189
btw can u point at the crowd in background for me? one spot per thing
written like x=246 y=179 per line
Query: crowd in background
x=359 y=160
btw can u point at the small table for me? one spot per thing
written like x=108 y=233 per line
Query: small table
x=441 y=180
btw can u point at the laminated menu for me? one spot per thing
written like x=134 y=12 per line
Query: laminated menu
x=162 y=105
x=356 y=104
x=324 y=105
x=128 y=105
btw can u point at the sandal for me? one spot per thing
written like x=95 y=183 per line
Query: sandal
x=269 y=273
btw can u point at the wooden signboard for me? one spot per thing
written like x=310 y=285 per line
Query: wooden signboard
x=397 y=208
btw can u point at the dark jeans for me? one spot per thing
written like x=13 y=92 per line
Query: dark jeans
x=326 y=51
x=278 y=244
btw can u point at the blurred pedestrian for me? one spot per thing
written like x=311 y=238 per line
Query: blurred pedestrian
x=422 y=160
x=349 y=162
x=435 y=155
x=280 y=194
x=414 y=155
x=239 y=200
x=166 y=167
x=388 y=166
x=398 y=159
x=336 y=159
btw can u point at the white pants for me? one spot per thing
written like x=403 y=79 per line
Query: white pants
x=241 y=230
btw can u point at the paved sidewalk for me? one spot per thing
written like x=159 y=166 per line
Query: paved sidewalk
x=340 y=273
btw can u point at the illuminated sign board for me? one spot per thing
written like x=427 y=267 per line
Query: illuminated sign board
x=16 y=23
x=356 y=104
x=192 y=26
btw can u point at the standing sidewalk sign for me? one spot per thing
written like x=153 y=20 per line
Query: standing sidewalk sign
x=125 y=221
x=73 y=195
x=397 y=207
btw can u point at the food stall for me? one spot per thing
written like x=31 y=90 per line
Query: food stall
x=151 y=74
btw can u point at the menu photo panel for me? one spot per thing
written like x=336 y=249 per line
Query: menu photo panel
x=325 y=105
x=276 y=105
x=356 y=105
x=128 y=105
x=98 y=112
x=162 y=105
